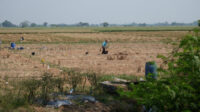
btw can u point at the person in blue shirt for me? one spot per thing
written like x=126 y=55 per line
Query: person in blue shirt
x=104 y=45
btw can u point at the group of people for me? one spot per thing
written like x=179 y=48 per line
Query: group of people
x=103 y=48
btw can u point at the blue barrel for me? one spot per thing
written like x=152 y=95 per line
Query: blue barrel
x=151 y=70
x=12 y=45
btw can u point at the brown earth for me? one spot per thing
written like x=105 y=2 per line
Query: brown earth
x=128 y=52
x=127 y=58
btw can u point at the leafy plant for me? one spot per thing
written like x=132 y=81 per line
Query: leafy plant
x=11 y=99
x=179 y=91
x=59 y=83
x=94 y=80
x=31 y=87
x=151 y=62
x=47 y=87
x=185 y=59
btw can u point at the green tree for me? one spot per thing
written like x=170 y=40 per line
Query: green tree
x=142 y=24
x=24 y=24
x=45 y=24
x=199 y=23
x=82 y=24
x=105 y=24
x=178 y=90
x=33 y=25
x=7 y=23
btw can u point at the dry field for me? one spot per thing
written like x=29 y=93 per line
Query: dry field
x=128 y=51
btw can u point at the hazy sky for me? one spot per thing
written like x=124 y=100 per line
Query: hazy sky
x=98 y=11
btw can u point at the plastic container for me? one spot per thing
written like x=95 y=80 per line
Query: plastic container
x=151 y=70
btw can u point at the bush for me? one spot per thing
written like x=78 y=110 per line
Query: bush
x=59 y=83
x=180 y=91
x=22 y=93
x=11 y=100
x=31 y=87
x=73 y=78
x=47 y=86
x=94 y=80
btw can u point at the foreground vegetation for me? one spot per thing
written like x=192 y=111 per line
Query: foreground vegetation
x=178 y=90
x=38 y=91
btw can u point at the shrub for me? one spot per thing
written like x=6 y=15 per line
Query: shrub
x=74 y=78
x=47 y=87
x=21 y=93
x=31 y=87
x=180 y=91
x=59 y=83
x=11 y=100
x=94 y=80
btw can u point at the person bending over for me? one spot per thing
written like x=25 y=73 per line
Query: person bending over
x=104 y=45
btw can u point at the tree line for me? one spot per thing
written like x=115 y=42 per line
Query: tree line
x=24 y=24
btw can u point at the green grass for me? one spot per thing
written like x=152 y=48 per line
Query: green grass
x=45 y=30
x=41 y=30
x=148 y=28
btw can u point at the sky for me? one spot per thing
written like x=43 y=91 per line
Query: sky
x=99 y=11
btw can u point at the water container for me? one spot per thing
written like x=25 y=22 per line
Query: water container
x=12 y=45
x=151 y=70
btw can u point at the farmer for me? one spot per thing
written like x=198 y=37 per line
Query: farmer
x=104 y=45
x=21 y=39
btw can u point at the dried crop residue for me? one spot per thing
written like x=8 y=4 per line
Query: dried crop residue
x=124 y=58
x=127 y=52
